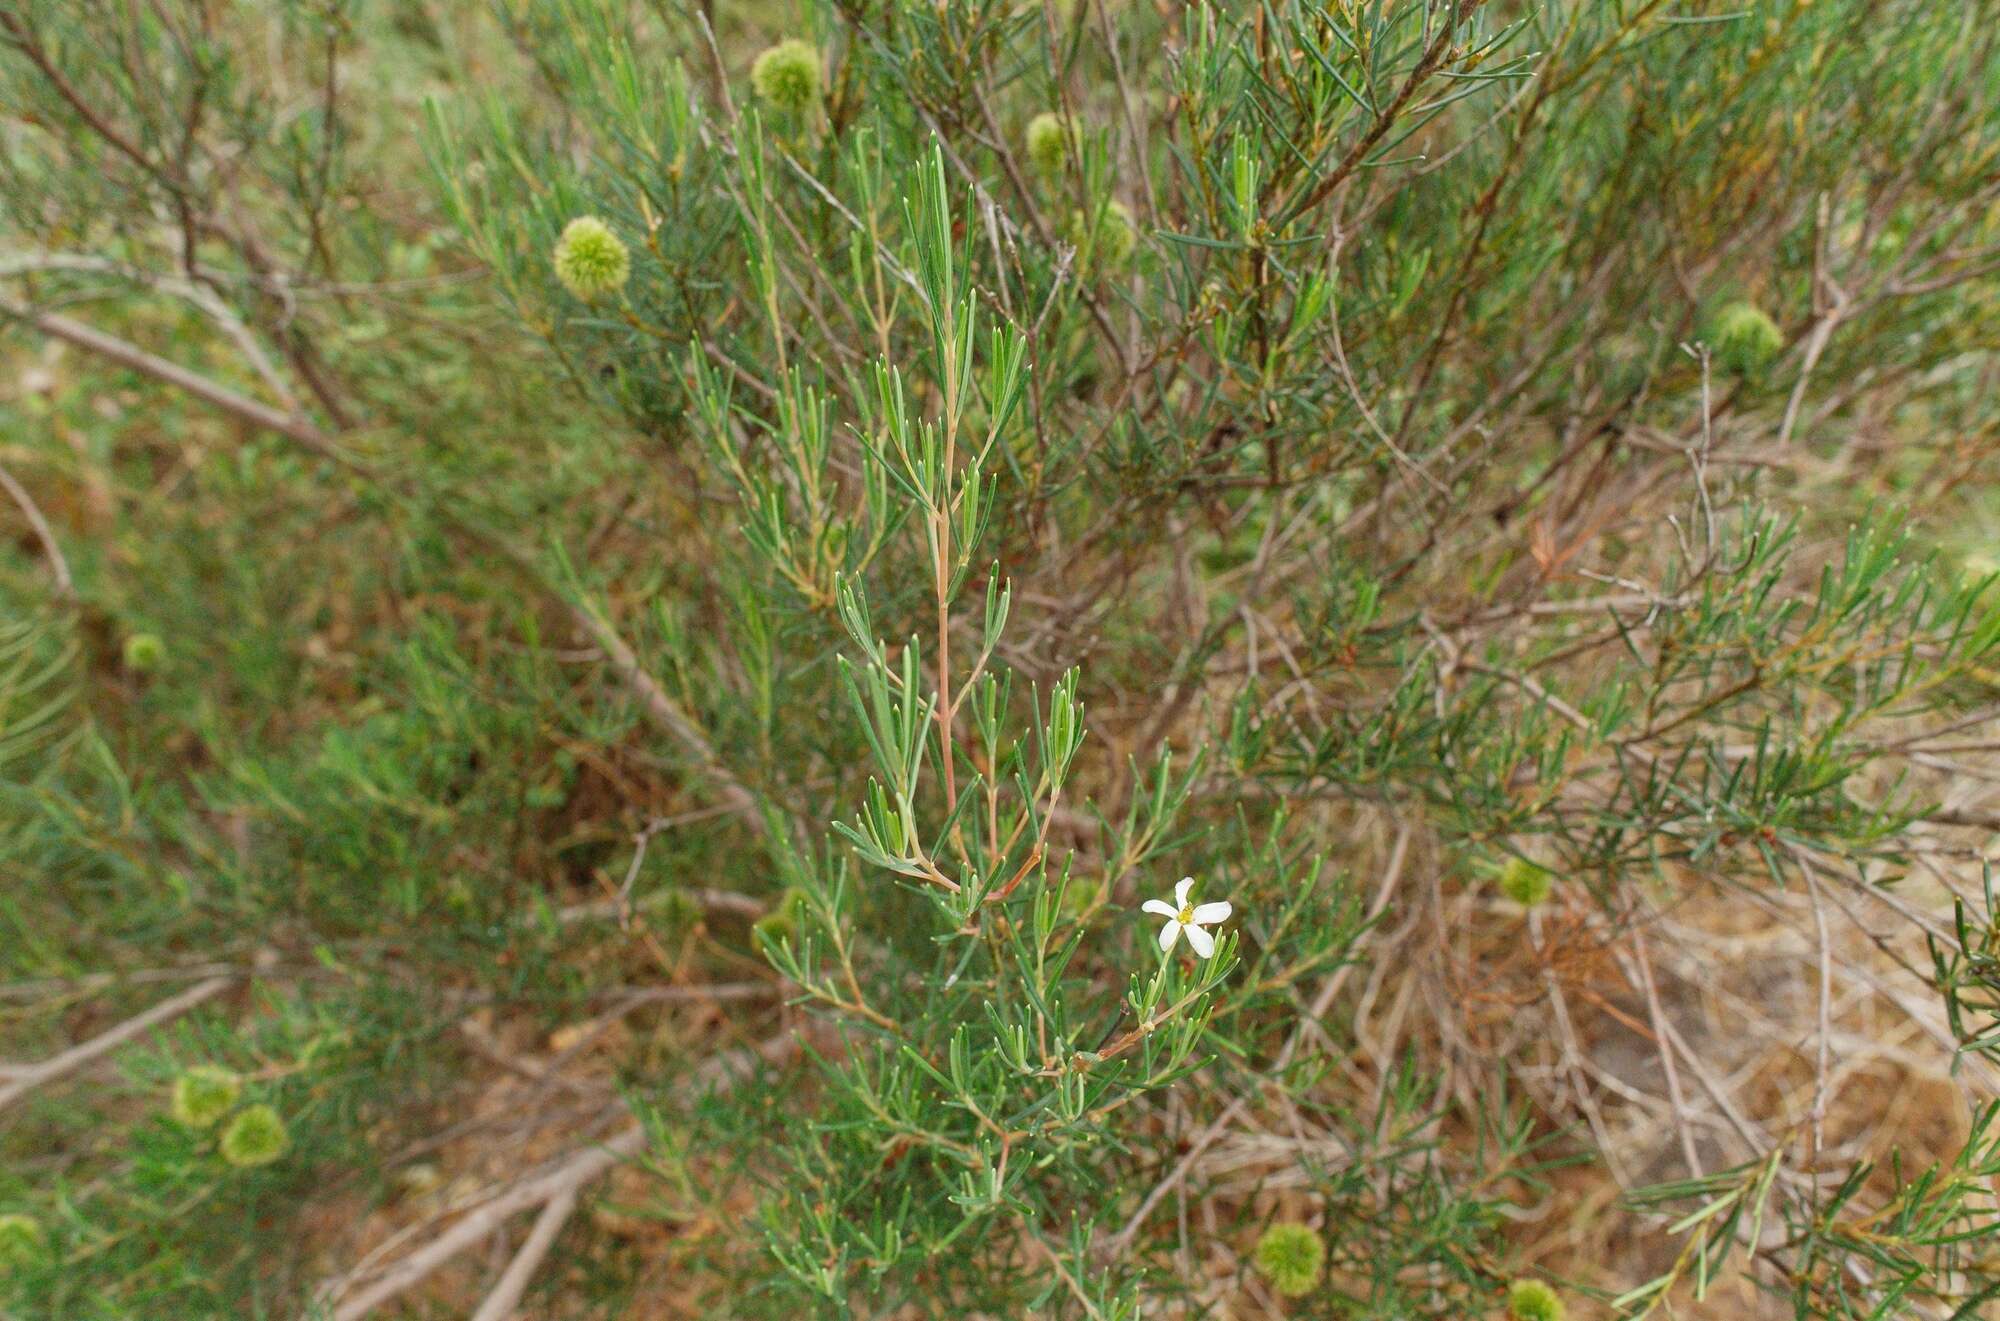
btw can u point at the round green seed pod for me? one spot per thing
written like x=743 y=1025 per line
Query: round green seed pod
x=21 y=1239
x=204 y=1094
x=1745 y=337
x=782 y=923
x=787 y=74
x=1524 y=882
x=1531 y=1300
x=144 y=651
x=1291 y=1257
x=1111 y=241
x=255 y=1137
x=1048 y=142
x=590 y=260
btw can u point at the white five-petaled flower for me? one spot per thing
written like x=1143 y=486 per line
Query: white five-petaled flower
x=1184 y=916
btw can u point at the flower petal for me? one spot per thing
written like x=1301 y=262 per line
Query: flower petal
x=1181 y=889
x=1204 y=944
x=1169 y=934
x=1160 y=906
x=1209 y=914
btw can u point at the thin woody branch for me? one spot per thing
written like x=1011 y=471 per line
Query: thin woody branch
x=660 y=708
x=80 y=1056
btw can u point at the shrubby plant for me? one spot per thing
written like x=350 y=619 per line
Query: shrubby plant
x=998 y=659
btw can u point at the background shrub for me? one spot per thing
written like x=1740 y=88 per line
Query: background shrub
x=616 y=605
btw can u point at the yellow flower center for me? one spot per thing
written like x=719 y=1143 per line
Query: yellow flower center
x=1186 y=916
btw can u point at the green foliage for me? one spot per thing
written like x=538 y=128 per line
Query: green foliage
x=1916 y=1243
x=37 y=687
x=754 y=561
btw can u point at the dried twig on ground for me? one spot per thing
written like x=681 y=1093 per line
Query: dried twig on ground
x=76 y=1057
x=540 y=1190
x=506 y=1295
x=660 y=708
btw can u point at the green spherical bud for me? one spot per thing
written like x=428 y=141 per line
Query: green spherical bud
x=781 y=924
x=144 y=651
x=1291 y=1257
x=590 y=260
x=1745 y=337
x=787 y=74
x=255 y=1137
x=1531 y=1300
x=1110 y=241
x=1048 y=139
x=203 y=1095
x=21 y=1239
x=1524 y=882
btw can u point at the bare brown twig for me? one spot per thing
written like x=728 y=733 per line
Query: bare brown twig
x=552 y=1186
x=58 y=566
x=76 y=1057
